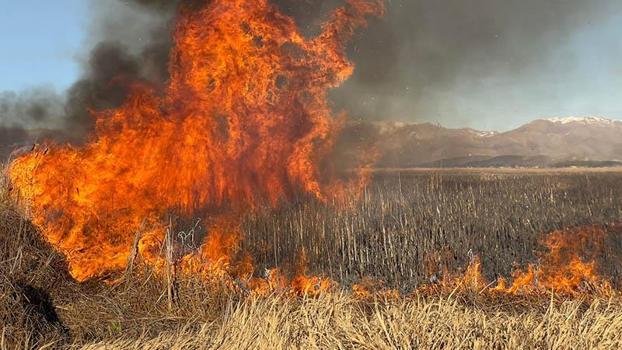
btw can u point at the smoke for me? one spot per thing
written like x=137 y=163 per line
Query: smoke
x=128 y=42
x=426 y=57
x=22 y=114
x=36 y=108
x=131 y=44
x=406 y=62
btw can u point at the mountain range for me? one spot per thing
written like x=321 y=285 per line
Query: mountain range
x=553 y=142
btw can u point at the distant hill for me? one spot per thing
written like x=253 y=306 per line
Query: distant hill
x=554 y=142
x=572 y=141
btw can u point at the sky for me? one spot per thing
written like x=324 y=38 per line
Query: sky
x=485 y=64
x=40 y=42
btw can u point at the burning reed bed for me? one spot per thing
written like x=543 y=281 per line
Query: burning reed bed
x=408 y=229
x=405 y=231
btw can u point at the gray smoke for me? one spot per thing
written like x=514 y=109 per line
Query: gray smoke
x=26 y=113
x=128 y=42
x=420 y=48
x=36 y=108
x=423 y=48
x=131 y=41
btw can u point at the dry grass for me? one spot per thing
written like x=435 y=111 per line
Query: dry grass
x=336 y=321
x=501 y=171
x=408 y=227
x=42 y=307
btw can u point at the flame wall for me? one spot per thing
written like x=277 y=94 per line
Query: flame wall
x=243 y=122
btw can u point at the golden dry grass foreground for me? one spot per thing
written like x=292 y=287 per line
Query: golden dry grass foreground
x=42 y=307
x=337 y=321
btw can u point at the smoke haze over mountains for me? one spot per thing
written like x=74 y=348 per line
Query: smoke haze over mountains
x=425 y=60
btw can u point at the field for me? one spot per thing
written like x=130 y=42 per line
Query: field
x=411 y=225
x=407 y=238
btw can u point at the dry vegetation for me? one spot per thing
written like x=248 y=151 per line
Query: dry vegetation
x=337 y=321
x=404 y=231
x=412 y=226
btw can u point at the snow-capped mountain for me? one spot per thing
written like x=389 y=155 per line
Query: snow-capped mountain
x=542 y=142
x=583 y=120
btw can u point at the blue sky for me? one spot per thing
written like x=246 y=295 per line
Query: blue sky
x=40 y=42
x=576 y=70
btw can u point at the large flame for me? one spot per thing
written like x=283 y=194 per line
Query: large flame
x=243 y=122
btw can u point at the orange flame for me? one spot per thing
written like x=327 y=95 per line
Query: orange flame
x=243 y=122
x=370 y=289
x=562 y=269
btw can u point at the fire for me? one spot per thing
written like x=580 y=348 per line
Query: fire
x=371 y=289
x=562 y=269
x=244 y=122
x=568 y=267
x=303 y=284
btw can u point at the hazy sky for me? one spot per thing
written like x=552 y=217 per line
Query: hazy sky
x=488 y=64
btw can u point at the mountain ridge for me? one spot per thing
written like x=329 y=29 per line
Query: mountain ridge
x=544 y=142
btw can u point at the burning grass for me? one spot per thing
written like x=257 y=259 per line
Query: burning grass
x=214 y=209
x=408 y=230
x=243 y=122
x=41 y=304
